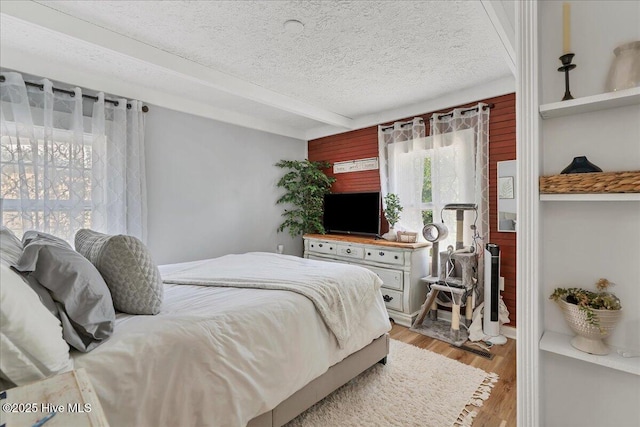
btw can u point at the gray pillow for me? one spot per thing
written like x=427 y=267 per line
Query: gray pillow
x=127 y=267
x=10 y=247
x=77 y=289
x=42 y=237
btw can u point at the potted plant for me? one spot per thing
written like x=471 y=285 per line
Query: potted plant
x=590 y=315
x=392 y=209
x=305 y=184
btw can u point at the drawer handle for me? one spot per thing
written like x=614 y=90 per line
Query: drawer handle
x=368 y=253
x=330 y=248
x=396 y=257
x=387 y=298
x=312 y=246
x=320 y=245
x=381 y=254
x=348 y=251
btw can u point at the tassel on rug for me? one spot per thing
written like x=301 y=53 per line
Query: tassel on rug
x=482 y=393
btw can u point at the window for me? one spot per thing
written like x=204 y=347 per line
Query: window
x=46 y=187
x=427 y=191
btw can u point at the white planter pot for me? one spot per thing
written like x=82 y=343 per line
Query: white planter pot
x=391 y=235
x=588 y=337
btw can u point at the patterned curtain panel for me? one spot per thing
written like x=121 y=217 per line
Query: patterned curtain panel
x=68 y=164
x=460 y=172
x=402 y=150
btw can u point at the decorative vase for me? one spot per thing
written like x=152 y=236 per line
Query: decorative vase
x=581 y=165
x=391 y=235
x=625 y=68
x=588 y=337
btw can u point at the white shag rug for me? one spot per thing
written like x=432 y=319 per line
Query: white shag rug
x=415 y=388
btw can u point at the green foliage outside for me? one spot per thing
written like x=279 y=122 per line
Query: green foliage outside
x=427 y=215
x=305 y=184
x=392 y=209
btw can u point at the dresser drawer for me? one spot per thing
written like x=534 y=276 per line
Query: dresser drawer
x=384 y=256
x=356 y=252
x=322 y=247
x=390 y=278
x=392 y=299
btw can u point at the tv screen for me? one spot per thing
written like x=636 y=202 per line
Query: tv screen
x=352 y=213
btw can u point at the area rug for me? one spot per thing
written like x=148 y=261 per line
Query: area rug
x=415 y=388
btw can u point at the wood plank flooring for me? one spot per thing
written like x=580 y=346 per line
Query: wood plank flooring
x=500 y=409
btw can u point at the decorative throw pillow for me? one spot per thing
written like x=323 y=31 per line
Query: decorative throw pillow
x=127 y=267
x=84 y=302
x=31 y=343
x=10 y=247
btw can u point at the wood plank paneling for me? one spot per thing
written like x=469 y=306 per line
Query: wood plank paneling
x=363 y=143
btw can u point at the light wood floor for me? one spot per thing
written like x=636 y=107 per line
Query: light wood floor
x=500 y=409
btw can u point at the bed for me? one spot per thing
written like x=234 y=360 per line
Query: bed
x=230 y=356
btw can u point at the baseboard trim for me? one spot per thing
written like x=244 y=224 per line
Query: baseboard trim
x=507 y=331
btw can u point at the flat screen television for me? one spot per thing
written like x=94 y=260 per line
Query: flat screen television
x=352 y=213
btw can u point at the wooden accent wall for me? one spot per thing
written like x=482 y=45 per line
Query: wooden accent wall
x=363 y=143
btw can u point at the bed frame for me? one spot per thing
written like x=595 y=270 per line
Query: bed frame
x=335 y=377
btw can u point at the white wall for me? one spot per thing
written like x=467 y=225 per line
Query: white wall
x=597 y=28
x=583 y=241
x=212 y=187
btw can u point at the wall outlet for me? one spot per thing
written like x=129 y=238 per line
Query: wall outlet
x=280 y=249
x=501 y=283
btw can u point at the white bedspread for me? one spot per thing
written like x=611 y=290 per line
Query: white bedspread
x=341 y=293
x=216 y=356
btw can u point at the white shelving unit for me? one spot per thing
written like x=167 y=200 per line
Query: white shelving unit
x=560 y=344
x=591 y=197
x=588 y=104
x=555 y=342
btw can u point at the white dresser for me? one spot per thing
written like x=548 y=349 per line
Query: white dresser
x=399 y=265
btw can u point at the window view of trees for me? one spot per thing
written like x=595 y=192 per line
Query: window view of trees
x=427 y=201
x=58 y=173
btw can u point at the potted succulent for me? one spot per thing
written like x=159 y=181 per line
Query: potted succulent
x=392 y=209
x=591 y=315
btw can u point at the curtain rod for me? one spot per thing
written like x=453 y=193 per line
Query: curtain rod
x=484 y=107
x=72 y=94
x=410 y=122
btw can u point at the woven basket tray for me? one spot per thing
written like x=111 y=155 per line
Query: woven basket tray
x=596 y=182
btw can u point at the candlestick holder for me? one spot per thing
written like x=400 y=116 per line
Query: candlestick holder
x=566 y=67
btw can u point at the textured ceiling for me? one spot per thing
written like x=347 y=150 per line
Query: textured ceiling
x=353 y=58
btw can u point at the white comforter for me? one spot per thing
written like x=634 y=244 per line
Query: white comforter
x=341 y=293
x=216 y=356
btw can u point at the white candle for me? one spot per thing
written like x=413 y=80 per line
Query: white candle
x=566 y=28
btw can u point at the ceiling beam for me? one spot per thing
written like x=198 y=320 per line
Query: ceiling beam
x=46 y=17
x=504 y=27
x=32 y=64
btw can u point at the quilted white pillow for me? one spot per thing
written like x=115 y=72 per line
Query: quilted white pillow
x=126 y=265
x=31 y=343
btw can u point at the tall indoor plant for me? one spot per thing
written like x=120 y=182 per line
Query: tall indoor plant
x=305 y=184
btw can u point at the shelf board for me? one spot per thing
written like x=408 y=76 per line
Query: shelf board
x=588 y=104
x=591 y=197
x=554 y=342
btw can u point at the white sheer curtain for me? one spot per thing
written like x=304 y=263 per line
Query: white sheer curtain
x=68 y=164
x=402 y=151
x=460 y=171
